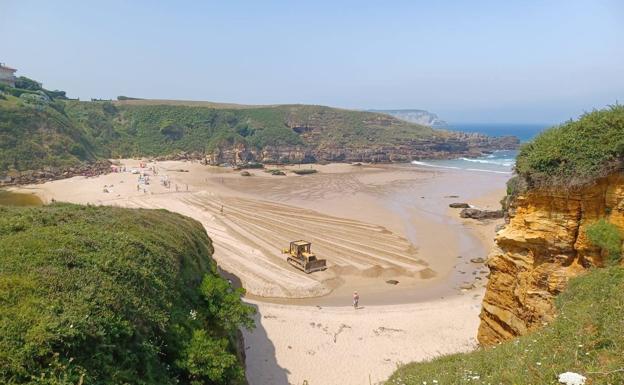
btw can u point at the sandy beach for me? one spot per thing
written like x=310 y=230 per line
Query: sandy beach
x=372 y=223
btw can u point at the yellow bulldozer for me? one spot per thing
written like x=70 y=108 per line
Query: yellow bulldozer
x=300 y=256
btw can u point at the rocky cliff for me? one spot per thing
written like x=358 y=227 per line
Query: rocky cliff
x=442 y=147
x=542 y=246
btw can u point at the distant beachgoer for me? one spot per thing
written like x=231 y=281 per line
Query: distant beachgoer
x=138 y=188
x=186 y=187
x=221 y=209
x=356 y=299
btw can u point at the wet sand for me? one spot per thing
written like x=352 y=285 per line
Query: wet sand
x=371 y=223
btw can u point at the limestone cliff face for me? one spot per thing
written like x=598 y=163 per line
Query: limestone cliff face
x=542 y=246
x=451 y=145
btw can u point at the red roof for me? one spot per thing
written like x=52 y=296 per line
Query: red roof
x=7 y=68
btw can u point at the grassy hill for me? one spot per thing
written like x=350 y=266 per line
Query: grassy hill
x=587 y=337
x=36 y=131
x=102 y=295
x=576 y=152
x=141 y=127
x=33 y=135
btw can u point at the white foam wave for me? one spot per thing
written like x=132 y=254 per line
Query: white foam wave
x=493 y=171
x=499 y=162
x=418 y=163
x=434 y=165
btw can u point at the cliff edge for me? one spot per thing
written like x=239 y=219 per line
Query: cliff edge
x=541 y=248
x=569 y=178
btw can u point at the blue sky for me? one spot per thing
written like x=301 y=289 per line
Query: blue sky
x=468 y=61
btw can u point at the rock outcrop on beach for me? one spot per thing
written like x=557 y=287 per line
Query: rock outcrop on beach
x=48 y=173
x=442 y=147
x=541 y=248
x=479 y=214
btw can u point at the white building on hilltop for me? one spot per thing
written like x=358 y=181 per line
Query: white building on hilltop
x=7 y=75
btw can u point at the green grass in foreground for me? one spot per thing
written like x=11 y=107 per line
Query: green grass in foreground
x=102 y=295
x=577 y=152
x=587 y=337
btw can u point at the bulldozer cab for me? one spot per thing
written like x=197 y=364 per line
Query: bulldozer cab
x=301 y=257
x=301 y=249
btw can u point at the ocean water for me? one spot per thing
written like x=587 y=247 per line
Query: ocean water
x=499 y=161
x=525 y=132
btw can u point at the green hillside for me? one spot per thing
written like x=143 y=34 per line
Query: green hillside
x=576 y=152
x=148 y=129
x=34 y=135
x=102 y=295
x=36 y=131
x=587 y=337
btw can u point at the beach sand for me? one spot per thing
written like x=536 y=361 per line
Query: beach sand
x=371 y=223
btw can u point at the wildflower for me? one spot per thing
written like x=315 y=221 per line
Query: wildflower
x=193 y=314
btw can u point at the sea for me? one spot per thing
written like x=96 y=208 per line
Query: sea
x=502 y=161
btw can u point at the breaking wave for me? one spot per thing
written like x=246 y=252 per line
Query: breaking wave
x=499 y=162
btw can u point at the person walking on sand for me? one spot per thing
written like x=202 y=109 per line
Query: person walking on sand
x=356 y=299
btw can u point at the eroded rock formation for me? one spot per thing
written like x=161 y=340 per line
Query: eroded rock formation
x=452 y=145
x=543 y=245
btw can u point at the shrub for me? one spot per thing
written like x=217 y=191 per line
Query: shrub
x=606 y=236
x=102 y=295
x=576 y=152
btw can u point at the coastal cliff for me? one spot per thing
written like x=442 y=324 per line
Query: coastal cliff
x=449 y=146
x=569 y=179
x=541 y=248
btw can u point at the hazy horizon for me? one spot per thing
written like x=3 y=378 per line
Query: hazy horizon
x=482 y=62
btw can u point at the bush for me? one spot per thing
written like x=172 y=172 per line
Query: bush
x=606 y=236
x=102 y=295
x=576 y=152
x=27 y=84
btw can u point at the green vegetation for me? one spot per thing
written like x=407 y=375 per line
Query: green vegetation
x=102 y=295
x=576 y=152
x=587 y=337
x=37 y=134
x=38 y=128
x=606 y=236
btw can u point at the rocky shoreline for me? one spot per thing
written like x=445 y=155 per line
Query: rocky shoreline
x=455 y=145
x=48 y=173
